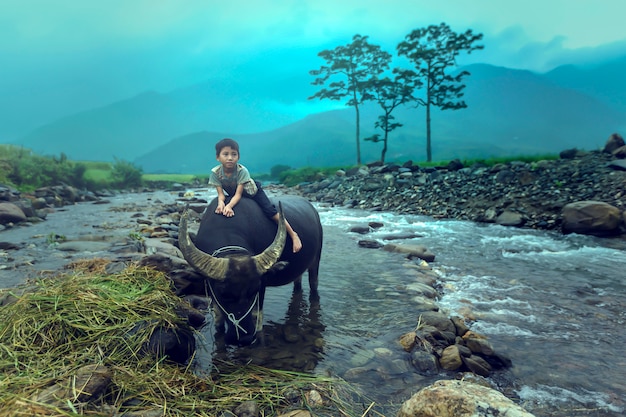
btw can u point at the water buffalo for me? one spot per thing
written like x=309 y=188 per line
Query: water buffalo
x=244 y=254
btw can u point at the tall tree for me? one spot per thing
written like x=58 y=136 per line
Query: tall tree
x=347 y=71
x=389 y=94
x=433 y=51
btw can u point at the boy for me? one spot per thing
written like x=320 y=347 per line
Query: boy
x=234 y=178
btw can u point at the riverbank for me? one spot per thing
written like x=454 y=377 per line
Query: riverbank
x=529 y=195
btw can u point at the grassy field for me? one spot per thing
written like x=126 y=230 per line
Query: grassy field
x=100 y=172
x=169 y=177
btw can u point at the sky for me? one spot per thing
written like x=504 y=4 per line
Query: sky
x=58 y=57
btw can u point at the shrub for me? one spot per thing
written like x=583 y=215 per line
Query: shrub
x=126 y=174
x=22 y=168
x=307 y=174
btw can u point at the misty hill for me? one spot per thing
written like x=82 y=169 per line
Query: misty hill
x=604 y=82
x=510 y=112
x=128 y=128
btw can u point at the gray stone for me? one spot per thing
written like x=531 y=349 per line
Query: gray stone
x=460 y=399
x=11 y=213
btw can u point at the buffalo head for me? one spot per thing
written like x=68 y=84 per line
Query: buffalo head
x=236 y=279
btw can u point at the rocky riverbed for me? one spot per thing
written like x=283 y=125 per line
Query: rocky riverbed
x=583 y=192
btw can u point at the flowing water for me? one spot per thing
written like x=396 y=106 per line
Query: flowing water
x=553 y=304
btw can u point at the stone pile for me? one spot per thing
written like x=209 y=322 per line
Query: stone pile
x=17 y=207
x=583 y=192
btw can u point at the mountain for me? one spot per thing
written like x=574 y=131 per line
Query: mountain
x=509 y=112
x=603 y=81
x=128 y=128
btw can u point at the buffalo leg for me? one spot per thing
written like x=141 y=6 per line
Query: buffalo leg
x=313 y=275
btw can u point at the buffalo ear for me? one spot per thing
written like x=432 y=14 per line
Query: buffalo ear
x=278 y=266
x=274 y=270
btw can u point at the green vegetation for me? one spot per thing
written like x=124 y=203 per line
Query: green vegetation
x=125 y=175
x=169 y=177
x=504 y=160
x=63 y=334
x=27 y=171
x=307 y=174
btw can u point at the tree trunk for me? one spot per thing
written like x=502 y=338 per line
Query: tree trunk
x=358 y=134
x=429 y=154
x=384 y=152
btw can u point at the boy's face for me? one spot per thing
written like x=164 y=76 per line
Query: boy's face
x=228 y=157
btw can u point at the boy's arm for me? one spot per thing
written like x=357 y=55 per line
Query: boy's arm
x=228 y=208
x=221 y=198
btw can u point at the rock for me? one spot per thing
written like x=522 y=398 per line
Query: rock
x=438 y=320
x=9 y=246
x=620 y=152
x=314 y=398
x=247 y=409
x=619 y=165
x=569 y=153
x=477 y=365
x=89 y=383
x=425 y=363
x=11 y=213
x=411 y=251
x=407 y=341
x=451 y=358
x=460 y=399
x=613 y=142
x=478 y=344
x=360 y=229
x=510 y=218
x=370 y=244
x=591 y=218
x=423 y=289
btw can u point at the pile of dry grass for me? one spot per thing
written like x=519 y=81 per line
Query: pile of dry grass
x=58 y=329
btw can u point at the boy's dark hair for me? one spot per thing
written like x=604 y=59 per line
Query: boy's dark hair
x=224 y=143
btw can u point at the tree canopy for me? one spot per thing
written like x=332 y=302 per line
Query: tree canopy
x=346 y=73
x=433 y=51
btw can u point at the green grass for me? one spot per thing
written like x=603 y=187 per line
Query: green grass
x=169 y=177
x=494 y=161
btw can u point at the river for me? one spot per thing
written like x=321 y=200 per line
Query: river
x=553 y=304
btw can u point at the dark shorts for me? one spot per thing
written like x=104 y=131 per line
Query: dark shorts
x=263 y=201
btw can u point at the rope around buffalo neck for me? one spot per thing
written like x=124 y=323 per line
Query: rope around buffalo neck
x=226 y=249
x=231 y=316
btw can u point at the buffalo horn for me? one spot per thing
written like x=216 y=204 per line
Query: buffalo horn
x=208 y=265
x=266 y=259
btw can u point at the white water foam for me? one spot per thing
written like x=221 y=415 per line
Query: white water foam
x=544 y=394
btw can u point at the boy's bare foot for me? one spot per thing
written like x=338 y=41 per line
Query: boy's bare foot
x=297 y=243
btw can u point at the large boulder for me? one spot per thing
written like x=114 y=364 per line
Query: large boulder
x=615 y=141
x=460 y=399
x=11 y=213
x=591 y=218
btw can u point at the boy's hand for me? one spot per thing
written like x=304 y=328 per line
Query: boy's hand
x=220 y=207
x=228 y=211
